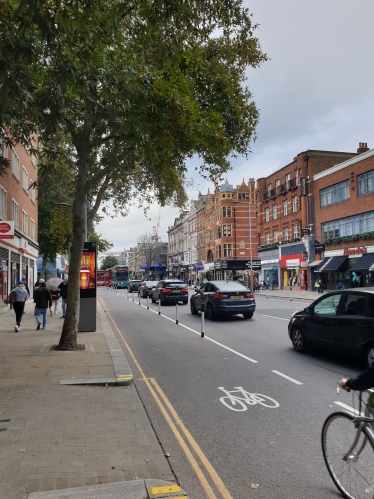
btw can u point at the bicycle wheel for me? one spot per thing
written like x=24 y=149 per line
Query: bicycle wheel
x=352 y=474
x=233 y=401
x=265 y=400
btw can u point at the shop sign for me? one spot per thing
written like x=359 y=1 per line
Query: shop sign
x=200 y=266
x=264 y=262
x=7 y=230
x=304 y=186
x=293 y=263
x=362 y=250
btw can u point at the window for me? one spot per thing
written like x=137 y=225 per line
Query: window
x=219 y=251
x=226 y=230
x=296 y=177
x=267 y=217
x=328 y=305
x=274 y=211
x=354 y=304
x=269 y=188
x=275 y=236
x=227 y=250
x=365 y=183
x=226 y=211
x=295 y=231
x=32 y=229
x=3 y=202
x=277 y=183
x=219 y=232
x=25 y=222
x=349 y=226
x=267 y=238
x=288 y=178
x=285 y=234
x=15 y=164
x=335 y=193
x=229 y=230
x=15 y=213
x=285 y=207
x=243 y=195
x=25 y=180
x=294 y=204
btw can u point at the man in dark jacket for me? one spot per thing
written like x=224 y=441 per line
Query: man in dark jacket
x=43 y=301
x=361 y=382
x=63 y=287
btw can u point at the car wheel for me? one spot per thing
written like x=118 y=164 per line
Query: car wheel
x=185 y=302
x=298 y=340
x=369 y=355
x=209 y=312
x=193 y=308
x=248 y=315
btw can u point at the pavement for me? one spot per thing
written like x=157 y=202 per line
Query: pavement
x=294 y=294
x=72 y=424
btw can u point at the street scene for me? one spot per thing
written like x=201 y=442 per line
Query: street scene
x=186 y=249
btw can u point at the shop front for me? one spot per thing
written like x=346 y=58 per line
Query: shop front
x=269 y=272
x=230 y=270
x=294 y=272
x=353 y=267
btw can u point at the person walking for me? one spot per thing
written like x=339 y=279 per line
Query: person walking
x=319 y=285
x=21 y=295
x=63 y=287
x=55 y=297
x=43 y=301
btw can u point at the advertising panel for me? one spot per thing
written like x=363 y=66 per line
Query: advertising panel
x=7 y=229
x=88 y=271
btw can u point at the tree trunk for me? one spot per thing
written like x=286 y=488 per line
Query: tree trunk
x=68 y=339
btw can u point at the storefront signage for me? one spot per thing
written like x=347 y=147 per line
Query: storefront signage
x=293 y=263
x=355 y=251
x=304 y=186
x=264 y=262
x=7 y=230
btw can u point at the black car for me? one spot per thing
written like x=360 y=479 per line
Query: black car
x=134 y=284
x=223 y=298
x=342 y=321
x=145 y=289
x=170 y=291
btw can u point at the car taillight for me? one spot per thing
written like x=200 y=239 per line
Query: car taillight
x=185 y=290
x=250 y=295
x=147 y=289
x=220 y=296
x=165 y=290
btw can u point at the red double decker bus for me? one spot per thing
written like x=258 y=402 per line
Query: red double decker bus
x=100 y=278
x=107 y=277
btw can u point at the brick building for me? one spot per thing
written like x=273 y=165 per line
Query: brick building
x=286 y=223
x=18 y=205
x=344 y=211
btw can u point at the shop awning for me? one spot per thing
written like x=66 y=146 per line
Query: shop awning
x=315 y=263
x=332 y=263
x=364 y=262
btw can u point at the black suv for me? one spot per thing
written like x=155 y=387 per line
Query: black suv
x=342 y=321
x=170 y=291
x=134 y=284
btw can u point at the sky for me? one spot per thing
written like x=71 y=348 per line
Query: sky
x=315 y=92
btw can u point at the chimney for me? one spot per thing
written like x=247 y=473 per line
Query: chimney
x=362 y=147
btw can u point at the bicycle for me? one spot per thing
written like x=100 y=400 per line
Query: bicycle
x=348 y=445
x=248 y=399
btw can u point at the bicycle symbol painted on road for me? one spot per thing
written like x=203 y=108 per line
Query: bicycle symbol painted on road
x=247 y=398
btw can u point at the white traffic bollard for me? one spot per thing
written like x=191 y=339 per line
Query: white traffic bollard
x=176 y=311
x=202 y=321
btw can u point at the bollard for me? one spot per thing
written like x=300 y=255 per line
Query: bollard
x=147 y=302
x=132 y=293
x=290 y=293
x=127 y=292
x=176 y=310
x=139 y=297
x=159 y=306
x=202 y=320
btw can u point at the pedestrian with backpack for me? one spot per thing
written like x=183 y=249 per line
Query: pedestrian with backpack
x=17 y=298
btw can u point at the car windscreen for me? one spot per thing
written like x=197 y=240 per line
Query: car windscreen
x=229 y=286
x=174 y=285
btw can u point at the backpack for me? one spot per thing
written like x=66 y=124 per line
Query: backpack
x=12 y=298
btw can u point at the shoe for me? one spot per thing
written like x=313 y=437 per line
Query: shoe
x=38 y=326
x=62 y=316
x=16 y=329
x=19 y=328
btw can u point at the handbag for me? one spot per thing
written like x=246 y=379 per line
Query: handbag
x=316 y=285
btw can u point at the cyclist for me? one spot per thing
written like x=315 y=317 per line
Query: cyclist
x=361 y=382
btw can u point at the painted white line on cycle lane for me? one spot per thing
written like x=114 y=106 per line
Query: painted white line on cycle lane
x=272 y=317
x=350 y=409
x=287 y=377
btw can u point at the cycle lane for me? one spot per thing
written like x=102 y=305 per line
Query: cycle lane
x=190 y=371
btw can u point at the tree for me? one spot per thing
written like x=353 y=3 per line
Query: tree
x=109 y=262
x=147 y=247
x=131 y=89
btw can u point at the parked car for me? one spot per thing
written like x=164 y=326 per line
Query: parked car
x=145 y=289
x=170 y=290
x=223 y=298
x=134 y=285
x=340 y=321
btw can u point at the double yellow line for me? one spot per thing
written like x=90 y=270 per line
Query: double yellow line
x=169 y=414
